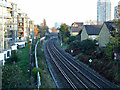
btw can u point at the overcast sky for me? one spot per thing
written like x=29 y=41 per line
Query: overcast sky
x=61 y=11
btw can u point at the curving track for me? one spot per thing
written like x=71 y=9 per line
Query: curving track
x=76 y=74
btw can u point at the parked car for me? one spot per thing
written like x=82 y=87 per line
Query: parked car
x=20 y=46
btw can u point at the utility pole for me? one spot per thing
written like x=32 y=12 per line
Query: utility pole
x=30 y=68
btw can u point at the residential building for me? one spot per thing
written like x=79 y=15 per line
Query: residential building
x=116 y=12
x=103 y=11
x=31 y=29
x=26 y=30
x=23 y=26
x=20 y=32
x=106 y=33
x=5 y=17
x=76 y=27
x=13 y=25
x=90 y=32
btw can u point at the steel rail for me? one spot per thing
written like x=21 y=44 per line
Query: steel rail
x=87 y=70
x=78 y=70
x=71 y=71
x=63 y=73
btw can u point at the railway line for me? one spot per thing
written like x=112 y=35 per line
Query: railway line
x=76 y=74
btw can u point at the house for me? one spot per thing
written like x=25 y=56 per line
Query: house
x=90 y=32
x=76 y=27
x=106 y=33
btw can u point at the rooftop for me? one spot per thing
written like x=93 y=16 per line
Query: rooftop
x=92 y=29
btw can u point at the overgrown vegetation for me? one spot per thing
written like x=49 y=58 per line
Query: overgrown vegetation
x=102 y=58
x=35 y=71
x=47 y=81
x=16 y=72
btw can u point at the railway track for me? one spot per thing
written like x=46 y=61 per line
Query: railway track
x=80 y=66
x=76 y=74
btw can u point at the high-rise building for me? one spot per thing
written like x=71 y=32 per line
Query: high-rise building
x=103 y=11
x=31 y=29
x=116 y=12
x=5 y=17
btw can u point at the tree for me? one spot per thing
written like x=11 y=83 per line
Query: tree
x=43 y=28
x=54 y=30
x=86 y=46
x=64 y=32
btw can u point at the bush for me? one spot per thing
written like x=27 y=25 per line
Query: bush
x=71 y=39
x=35 y=71
x=88 y=46
x=13 y=58
x=85 y=46
x=12 y=77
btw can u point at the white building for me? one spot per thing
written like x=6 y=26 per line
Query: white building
x=5 y=17
x=103 y=11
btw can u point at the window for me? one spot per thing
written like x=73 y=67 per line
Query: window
x=93 y=37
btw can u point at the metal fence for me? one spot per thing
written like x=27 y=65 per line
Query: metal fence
x=36 y=63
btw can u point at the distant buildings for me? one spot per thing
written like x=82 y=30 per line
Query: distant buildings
x=57 y=25
x=103 y=11
x=23 y=26
x=116 y=12
x=101 y=33
x=76 y=27
x=90 y=32
x=106 y=33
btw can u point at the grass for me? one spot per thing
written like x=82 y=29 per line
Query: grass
x=64 y=46
x=23 y=65
x=47 y=81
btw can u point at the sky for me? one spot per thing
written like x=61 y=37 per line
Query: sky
x=61 y=11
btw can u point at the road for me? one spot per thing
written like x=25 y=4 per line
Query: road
x=71 y=73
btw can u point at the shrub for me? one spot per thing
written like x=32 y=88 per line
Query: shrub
x=88 y=46
x=13 y=58
x=71 y=39
x=85 y=46
x=35 y=71
x=12 y=77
